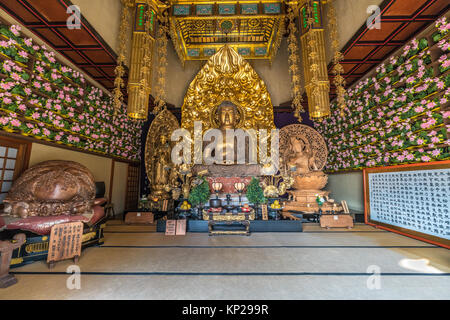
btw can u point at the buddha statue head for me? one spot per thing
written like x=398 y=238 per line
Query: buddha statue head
x=227 y=115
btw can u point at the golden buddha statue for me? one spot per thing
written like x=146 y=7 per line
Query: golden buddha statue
x=162 y=165
x=235 y=159
x=228 y=119
x=228 y=116
x=161 y=171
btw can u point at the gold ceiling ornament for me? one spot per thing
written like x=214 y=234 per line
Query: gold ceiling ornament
x=227 y=76
x=200 y=28
x=277 y=40
x=294 y=60
x=161 y=41
x=120 y=68
x=313 y=52
x=176 y=43
x=339 y=81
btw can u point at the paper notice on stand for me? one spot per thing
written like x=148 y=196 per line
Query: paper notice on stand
x=181 y=227
x=171 y=226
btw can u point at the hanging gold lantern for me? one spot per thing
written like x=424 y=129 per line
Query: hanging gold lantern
x=294 y=62
x=140 y=78
x=161 y=69
x=121 y=58
x=317 y=84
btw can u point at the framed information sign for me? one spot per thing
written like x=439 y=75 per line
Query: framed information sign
x=413 y=200
x=65 y=242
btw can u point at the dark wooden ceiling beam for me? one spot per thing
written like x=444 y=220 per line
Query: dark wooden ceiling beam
x=389 y=42
x=66 y=46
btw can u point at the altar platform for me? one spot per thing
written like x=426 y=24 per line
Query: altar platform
x=201 y=226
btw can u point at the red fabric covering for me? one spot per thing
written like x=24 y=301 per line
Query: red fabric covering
x=100 y=201
x=99 y=213
x=43 y=225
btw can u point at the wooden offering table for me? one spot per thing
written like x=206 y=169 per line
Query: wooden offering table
x=139 y=218
x=229 y=221
x=336 y=221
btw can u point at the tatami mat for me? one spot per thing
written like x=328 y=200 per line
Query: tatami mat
x=137 y=263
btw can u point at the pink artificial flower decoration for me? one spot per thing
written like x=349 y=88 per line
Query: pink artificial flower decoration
x=15 y=123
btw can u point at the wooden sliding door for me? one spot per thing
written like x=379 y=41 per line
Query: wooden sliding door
x=132 y=193
x=14 y=159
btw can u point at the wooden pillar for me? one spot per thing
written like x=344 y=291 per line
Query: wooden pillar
x=6 y=250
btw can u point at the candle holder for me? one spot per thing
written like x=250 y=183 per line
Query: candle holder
x=216 y=203
x=239 y=186
x=217 y=187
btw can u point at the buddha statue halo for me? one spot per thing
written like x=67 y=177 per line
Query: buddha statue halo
x=227 y=76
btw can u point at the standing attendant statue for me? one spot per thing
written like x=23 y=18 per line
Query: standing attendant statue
x=162 y=166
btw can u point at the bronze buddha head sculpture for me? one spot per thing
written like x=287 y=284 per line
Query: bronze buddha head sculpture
x=228 y=115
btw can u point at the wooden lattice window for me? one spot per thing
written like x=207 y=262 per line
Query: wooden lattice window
x=14 y=158
x=132 y=194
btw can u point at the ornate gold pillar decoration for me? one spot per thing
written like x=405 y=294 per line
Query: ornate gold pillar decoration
x=339 y=81
x=161 y=41
x=277 y=41
x=294 y=62
x=140 y=78
x=314 y=60
x=120 y=69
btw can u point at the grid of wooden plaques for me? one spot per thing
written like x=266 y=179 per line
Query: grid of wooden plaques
x=411 y=199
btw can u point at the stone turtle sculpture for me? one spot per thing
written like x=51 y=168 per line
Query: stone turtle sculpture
x=52 y=188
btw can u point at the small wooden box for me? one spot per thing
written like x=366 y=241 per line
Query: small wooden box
x=139 y=218
x=336 y=221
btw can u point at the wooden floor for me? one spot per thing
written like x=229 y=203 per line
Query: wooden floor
x=137 y=263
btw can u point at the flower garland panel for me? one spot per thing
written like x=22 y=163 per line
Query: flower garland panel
x=398 y=116
x=41 y=98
